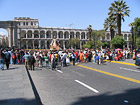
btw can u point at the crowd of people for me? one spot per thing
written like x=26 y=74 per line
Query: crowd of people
x=57 y=59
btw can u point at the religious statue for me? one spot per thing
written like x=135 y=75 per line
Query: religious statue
x=54 y=44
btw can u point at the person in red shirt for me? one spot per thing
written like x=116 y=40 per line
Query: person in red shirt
x=86 y=57
x=77 y=55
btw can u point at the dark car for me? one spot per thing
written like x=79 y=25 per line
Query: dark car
x=137 y=62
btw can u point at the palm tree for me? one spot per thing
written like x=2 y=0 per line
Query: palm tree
x=111 y=25
x=118 y=10
x=132 y=28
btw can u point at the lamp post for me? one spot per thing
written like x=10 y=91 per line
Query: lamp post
x=135 y=42
x=132 y=37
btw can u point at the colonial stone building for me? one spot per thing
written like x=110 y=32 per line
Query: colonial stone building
x=3 y=41
x=26 y=33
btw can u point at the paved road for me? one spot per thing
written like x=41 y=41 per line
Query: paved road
x=84 y=84
x=89 y=84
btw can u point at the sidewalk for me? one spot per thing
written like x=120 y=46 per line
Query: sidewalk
x=15 y=87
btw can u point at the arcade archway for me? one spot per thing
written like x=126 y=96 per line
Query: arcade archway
x=11 y=27
x=4 y=38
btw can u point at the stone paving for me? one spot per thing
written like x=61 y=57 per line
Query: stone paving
x=15 y=87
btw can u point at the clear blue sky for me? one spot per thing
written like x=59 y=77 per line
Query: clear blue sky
x=62 y=13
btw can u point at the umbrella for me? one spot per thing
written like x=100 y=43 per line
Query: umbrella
x=118 y=49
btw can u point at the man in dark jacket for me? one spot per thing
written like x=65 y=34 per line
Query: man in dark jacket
x=31 y=61
x=7 y=58
x=2 y=56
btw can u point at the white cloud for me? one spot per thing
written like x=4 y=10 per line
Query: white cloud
x=3 y=33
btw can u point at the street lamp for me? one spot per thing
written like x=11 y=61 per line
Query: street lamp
x=135 y=41
x=132 y=28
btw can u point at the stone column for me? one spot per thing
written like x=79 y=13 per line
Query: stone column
x=39 y=44
x=51 y=35
x=74 y=35
x=26 y=44
x=80 y=44
x=39 y=35
x=64 y=45
x=13 y=37
x=63 y=35
x=45 y=44
x=45 y=35
x=32 y=35
x=127 y=44
x=9 y=36
x=26 y=35
x=86 y=36
x=33 y=44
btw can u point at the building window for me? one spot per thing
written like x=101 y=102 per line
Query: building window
x=27 y=23
x=125 y=37
x=77 y=35
x=32 y=23
x=83 y=35
x=24 y=23
x=60 y=34
x=71 y=35
x=66 y=35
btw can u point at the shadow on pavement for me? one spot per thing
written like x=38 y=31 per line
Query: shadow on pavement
x=12 y=68
x=129 y=97
x=19 y=101
x=37 y=97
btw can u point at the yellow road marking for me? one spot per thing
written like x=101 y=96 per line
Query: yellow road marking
x=122 y=63
x=114 y=75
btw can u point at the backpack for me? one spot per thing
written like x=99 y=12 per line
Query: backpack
x=13 y=56
x=7 y=56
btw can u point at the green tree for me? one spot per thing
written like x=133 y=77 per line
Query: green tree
x=96 y=36
x=105 y=44
x=117 y=11
x=86 y=46
x=75 y=42
x=138 y=42
x=90 y=44
x=137 y=26
x=118 y=41
x=135 y=29
x=110 y=25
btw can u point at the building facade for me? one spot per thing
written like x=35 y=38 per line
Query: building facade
x=3 y=41
x=26 y=33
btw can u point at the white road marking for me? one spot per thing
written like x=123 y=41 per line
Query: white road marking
x=129 y=69
x=85 y=85
x=59 y=71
